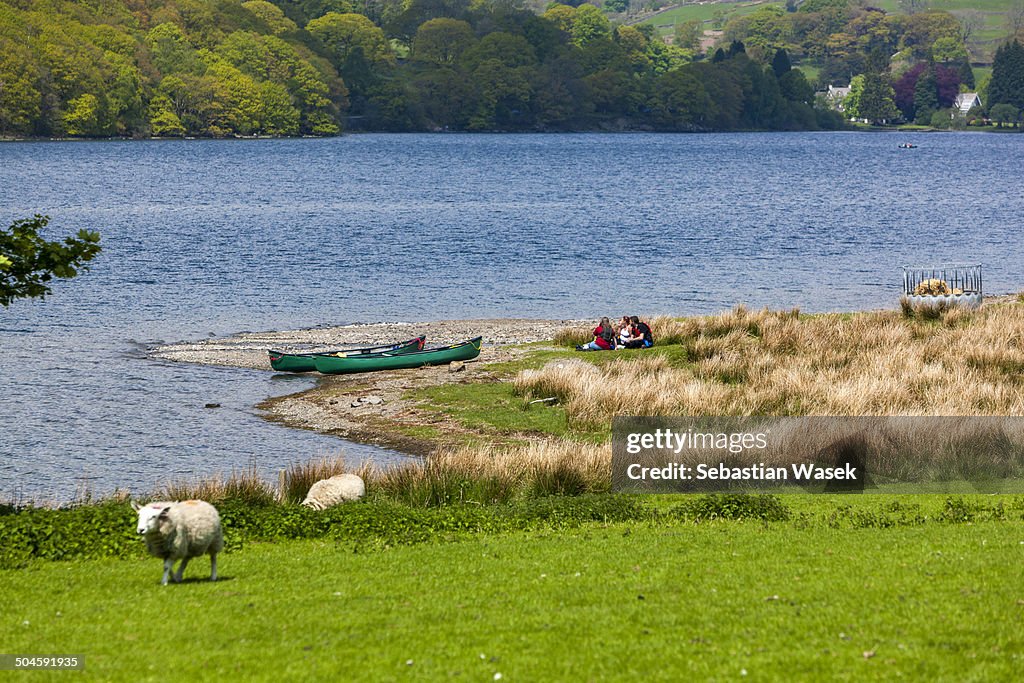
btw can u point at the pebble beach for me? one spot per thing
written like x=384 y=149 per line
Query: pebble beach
x=372 y=408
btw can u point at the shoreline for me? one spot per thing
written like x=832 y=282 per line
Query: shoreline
x=340 y=405
x=860 y=128
x=333 y=407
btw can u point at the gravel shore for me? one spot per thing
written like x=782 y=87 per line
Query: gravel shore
x=249 y=349
x=373 y=407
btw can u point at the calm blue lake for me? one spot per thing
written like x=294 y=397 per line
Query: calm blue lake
x=214 y=237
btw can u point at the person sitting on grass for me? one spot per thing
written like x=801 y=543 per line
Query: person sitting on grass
x=604 y=337
x=641 y=335
x=625 y=332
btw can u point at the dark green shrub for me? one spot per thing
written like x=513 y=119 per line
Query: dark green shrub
x=89 y=531
x=733 y=506
x=557 y=512
x=960 y=511
x=108 y=529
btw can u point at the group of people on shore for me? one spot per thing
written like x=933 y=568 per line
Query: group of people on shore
x=630 y=333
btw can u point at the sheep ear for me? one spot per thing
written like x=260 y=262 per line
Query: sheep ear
x=136 y=506
x=163 y=512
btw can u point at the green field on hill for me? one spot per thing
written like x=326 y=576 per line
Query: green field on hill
x=665 y=21
x=989 y=35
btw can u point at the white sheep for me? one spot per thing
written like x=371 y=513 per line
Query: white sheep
x=338 y=489
x=181 y=531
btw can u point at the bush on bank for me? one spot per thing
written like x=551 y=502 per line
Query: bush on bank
x=107 y=528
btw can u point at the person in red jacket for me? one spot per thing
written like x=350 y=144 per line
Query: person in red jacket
x=604 y=337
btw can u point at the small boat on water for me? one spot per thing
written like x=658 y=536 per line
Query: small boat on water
x=338 y=365
x=907 y=145
x=303 y=362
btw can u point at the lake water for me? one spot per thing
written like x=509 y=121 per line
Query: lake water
x=214 y=237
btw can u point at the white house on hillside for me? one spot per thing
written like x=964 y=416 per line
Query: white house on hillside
x=835 y=96
x=964 y=102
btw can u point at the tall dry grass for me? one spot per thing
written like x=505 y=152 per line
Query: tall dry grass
x=247 y=484
x=483 y=475
x=887 y=449
x=744 y=362
x=491 y=474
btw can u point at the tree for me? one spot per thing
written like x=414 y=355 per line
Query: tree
x=19 y=98
x=441 y=41
x=162 y=119
x=446 y=97
x=877 y=101
x=851 y=103
x=1004 y=113
x=970 y=23
x=926 y=97
x=948 y=49
x=921 y=30
x=271 y=15
x=82 y=116
x=504 y=94
x=904 y=87
x=341 y=33
x=1007 y=84
x=683 y=101
x=589 y=24
x=780 y=63
x=635 y=45
x=688 y=34
x=1015 y=20
x=28 y=262
x=795 y=88
x=171 y=51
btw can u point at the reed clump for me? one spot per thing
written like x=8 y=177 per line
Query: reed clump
x=246 y=485
x=490 y=475
x=745 y=362
x=469 y=474
x=574 y=336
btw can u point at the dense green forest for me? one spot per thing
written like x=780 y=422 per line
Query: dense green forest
x=316 y=67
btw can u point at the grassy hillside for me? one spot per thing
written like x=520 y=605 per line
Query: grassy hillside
x=713 y=14
x=992 y=16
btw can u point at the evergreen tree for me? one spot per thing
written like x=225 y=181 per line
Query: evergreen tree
x=1007 y=84
x=877 y=101
x=736 y=48
x=926 y=96
x=966 y=73
x=781 y=64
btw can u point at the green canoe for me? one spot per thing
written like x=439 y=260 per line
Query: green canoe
x=303 y=362
x=335 y=365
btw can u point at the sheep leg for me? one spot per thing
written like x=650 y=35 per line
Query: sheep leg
x=213 y=567
x=168 y=565
x=181 y=570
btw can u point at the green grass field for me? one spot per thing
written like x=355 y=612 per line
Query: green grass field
x=665 y=22
x=990 y=34
x=820 y=597
x=441 y=575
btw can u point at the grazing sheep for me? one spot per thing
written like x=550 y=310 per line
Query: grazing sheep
x=338 y=489
x=181 y=531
